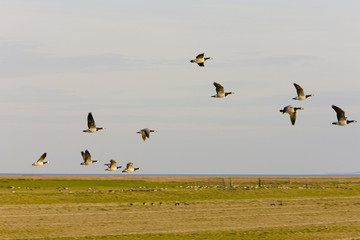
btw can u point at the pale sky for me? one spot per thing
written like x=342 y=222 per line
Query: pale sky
x=128 y=62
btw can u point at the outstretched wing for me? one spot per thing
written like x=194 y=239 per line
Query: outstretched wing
x=42 y=157
x=219 y=88
x=112 y=163
x=87 y=156
x=201 y=55
x=339 y=113
x=129 y=165
x=83 y=155
x=91 y=121
x=293 y=118
x=143 y=134
x=147 y=132
x=299 y=90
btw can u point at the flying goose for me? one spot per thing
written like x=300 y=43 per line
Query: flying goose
x=220 y=92
x=200 y=60
x=145 y=133
x=130 y=168
x=300 y=93
x=342 y=120
x=112 y=166
x=87 y=158
x=91 y=124
x=292 y=112
x=41 y=162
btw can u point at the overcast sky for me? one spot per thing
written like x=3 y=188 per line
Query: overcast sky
x=128 y=62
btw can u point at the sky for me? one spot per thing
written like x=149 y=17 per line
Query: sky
x=128 y=62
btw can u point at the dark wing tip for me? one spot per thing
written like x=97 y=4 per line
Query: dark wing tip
x=293 y=118
x=201 y=55
x=337 y=109
x=43 y=156
x=298 y=88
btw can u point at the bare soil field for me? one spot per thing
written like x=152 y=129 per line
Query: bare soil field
x=259 y=216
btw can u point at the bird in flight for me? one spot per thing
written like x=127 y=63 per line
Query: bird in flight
x=200 y=59
x=300 y=93
x=130 y=168
x=340 y=114
x=145 y=133
x=87 y=158
x=41 y=162
x=91 y=124
x=112 y=166
x=220 y=92
x=292 y=112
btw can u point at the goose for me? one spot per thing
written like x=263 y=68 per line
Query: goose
x=130 y=168
x=41 y=162
x=292 y=112
x=145 y=133
x=87 y=158
x=300 y=93
x=91 y=124
x=200 y=60
x=342 y=120
x=112 y=166
x=220 y=92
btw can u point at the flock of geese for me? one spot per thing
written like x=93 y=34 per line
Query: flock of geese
x=220 y=93
x=87 y=160
x=340 y=114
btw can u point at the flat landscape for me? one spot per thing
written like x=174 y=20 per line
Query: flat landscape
x=136 y=207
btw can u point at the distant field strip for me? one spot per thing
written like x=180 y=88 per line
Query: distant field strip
x=291 y=209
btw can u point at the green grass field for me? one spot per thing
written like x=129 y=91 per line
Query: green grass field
x=179 y=208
